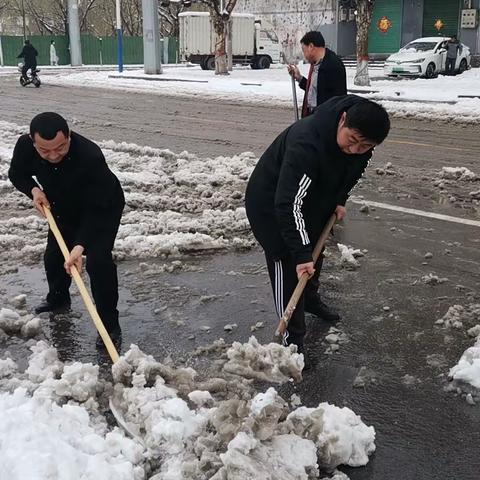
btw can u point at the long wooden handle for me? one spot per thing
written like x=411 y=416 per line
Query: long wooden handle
x=112 y=351
x=297 y=293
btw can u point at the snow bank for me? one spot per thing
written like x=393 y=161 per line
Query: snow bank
x=439 y=98
x=176 y=204
x=190 y=428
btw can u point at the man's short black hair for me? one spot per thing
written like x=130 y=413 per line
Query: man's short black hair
x=314 y=37
x=27 y=42
x=48 y=124
x=370 y=119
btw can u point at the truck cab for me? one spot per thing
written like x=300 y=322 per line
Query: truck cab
x=266 y=49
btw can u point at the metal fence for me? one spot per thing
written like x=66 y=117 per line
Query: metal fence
x=95 y=50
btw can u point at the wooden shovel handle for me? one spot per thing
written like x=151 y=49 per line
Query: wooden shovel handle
x=297 y=293
x=112 y=351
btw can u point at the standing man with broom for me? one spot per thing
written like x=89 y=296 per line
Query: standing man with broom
x=300 y=181
x=86 y=199
x=327 y=77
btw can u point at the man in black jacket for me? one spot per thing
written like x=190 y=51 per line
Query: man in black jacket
x=300 y=181
x=86 y=199
x=29 y=55
x=326 y=78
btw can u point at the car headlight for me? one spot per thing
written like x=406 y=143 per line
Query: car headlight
x=418 y=60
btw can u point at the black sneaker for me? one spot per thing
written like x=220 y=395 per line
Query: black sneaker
x=315 y=306
x=52 y=307
x=115 y=335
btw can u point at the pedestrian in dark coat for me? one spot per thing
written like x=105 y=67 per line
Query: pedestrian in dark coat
x=300 y=181
x=29 y=55
x=453 y=48
x=327 y=77
x=64 y=171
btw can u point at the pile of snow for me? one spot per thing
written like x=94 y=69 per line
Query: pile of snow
x=54 y=426
x=272 y=363
x=467 y=370
x=175 y=204
x=25 y=325
x=457 y=173
x=43 y=440
x=458 y=316
x=349 y=256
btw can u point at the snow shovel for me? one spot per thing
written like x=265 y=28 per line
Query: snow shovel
x=297 y=293
x=112 y=351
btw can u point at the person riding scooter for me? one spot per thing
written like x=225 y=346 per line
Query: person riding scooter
x=29 y=54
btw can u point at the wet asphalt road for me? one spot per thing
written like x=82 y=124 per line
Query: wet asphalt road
x=423 y=432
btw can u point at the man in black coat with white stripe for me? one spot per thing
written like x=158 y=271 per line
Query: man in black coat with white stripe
x=300 y=181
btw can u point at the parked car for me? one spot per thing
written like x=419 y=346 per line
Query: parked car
x=425 y=57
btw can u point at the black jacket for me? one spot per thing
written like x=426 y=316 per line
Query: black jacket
x=81 y=189
x=29 y=54
x=299 y=181
x=331 y=81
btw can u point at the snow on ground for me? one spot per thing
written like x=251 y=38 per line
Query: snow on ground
x=190 y=428
x=466 y=372
x=176 y=203
x=432 y=98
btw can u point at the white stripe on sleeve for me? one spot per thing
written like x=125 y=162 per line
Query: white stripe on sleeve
x=297 y=208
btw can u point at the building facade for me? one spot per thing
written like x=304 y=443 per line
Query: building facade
x=397 y=22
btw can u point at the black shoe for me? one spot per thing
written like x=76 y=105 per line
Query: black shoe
x=52 y=307
x=115 y=335
x=315 y=306
x=307 y=364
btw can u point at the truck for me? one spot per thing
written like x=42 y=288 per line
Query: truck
x=252 y=43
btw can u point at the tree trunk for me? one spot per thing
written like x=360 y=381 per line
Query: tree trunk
x=363 y=20
x=221 y=66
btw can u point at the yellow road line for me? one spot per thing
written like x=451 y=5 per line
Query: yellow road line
x=416 y=144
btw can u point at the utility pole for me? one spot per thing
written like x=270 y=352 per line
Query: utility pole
x=151 y=37
x=74 y=34
x=119 y=36
x=24 y=22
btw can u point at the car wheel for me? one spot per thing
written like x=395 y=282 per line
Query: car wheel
x=463 y=66
x=430 y=71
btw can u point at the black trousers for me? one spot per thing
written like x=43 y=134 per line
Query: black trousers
x=450 y=66
x=100 y=268
x=26 y=67
x=283 y=277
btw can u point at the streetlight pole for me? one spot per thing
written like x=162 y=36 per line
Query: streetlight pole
x=119 y=36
